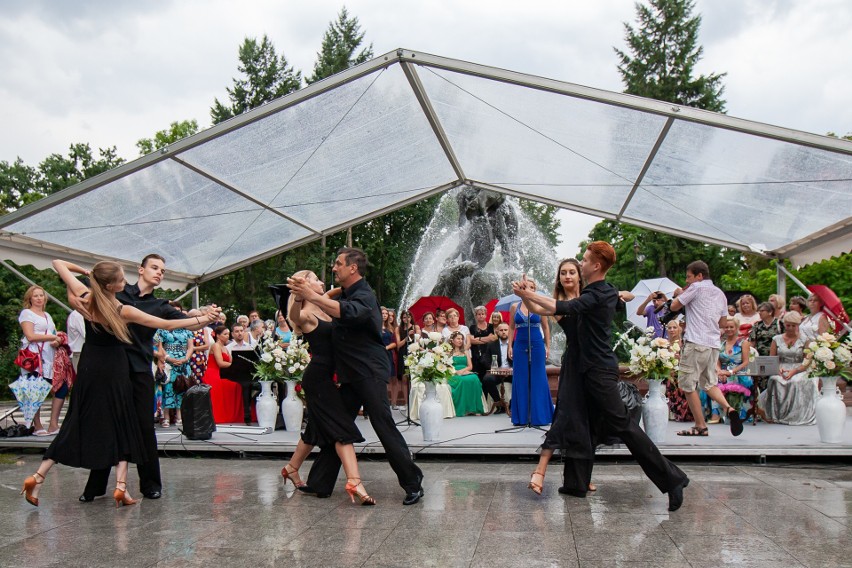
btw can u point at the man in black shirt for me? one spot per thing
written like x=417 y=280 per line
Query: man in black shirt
x=362 y=372
x=598 y=371
x=140 y=354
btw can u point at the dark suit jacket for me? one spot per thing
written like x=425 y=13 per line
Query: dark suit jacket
x=490 y=350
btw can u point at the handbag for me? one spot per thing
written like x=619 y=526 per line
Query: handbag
x=29 y=361
x=160 y=377
x=183 y=383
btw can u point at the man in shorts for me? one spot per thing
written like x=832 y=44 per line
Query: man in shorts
x=706 y=309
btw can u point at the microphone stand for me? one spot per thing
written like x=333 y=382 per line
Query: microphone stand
x=522 y=427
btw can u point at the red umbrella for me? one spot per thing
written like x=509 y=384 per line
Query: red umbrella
x=831 y=304
x=432 y=303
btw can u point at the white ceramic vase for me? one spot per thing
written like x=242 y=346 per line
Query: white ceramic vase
x=431 y=414
x=655 y=412
x=292 y=409
x=266 y=406
x=830 y=412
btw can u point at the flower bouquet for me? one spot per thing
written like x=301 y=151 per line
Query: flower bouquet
x=654 y=358
x=828 y=357
x=276 y=363
x=429 y=360
x=735 y=393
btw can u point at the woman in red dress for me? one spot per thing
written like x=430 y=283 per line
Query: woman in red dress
x=226 y=396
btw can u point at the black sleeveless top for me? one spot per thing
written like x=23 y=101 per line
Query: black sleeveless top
x=319 y=341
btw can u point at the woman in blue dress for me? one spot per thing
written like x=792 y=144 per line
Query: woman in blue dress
x=177 y=344
x=531 y=400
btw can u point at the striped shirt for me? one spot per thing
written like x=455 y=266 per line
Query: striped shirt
x=705 y=305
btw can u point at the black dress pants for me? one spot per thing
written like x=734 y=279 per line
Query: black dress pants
x=149 y=472
x=491 y=385
x=373 y=395
x=606 y=406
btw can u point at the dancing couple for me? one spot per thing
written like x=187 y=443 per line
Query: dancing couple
x=589 y=405
x=345 y=335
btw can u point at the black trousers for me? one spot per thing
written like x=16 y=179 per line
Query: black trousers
x=606 y=407
x=491 y=384
x=373 y=395
x=149 y=472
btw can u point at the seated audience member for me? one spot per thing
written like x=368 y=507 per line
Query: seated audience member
x=429 y=325
x=282 y=331
x=491 y=381
x=817 y=322
x=440 y=320
x=453 y=325
x=256 y=330
x=652 y=308
x=226 y=396
x=747 y=315
x=678 y=405
x=798 y=304
x=253 y=315
x=239 y=341
x=732 y=310
x=733 y=360
x=243 y=320
x=464 y=384
x=790 y=398
x=777 y=301
x=764 y=330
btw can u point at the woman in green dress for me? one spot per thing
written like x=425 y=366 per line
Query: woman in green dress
x=464 y=384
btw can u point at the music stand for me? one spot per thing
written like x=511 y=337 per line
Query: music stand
x=529 y=424
x=241 y=371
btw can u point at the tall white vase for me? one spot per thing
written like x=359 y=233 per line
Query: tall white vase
x=292 y=409
x=431 y=414
x=266 y=406
x=830 y=412
x=655 y=412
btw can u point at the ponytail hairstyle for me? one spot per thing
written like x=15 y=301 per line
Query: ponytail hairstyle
x=218 y=330
x=294 y=325
x=102 y=308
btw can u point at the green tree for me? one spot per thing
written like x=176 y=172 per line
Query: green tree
x=56 y=172
x=17 y=181
x=176 y=131
x=544 y=217
x=266 y=76
x=664 y=51
x=339 y=46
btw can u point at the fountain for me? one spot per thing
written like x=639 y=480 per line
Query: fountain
x=477 y=242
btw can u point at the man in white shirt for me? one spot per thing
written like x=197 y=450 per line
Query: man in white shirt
x=256 y=329
x=239 y=341
x=706 y=310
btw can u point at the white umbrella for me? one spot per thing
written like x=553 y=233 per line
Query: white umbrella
x=30 y=390
x=641 y=290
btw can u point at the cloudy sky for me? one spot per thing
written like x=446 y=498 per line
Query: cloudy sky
x=109 y=72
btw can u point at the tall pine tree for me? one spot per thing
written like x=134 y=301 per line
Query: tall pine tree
x=266 y=76
x=661 y=65
x=339 y=46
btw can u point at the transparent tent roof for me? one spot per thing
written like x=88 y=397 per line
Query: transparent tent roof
x=407 y=125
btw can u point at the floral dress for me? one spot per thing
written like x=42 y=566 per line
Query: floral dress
x=174 y=342
x=198 y=360
x=728 y=361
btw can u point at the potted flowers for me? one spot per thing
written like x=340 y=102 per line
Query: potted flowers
x=827 y=358
x=430 y=361
x=276 y=363
x=655 y=359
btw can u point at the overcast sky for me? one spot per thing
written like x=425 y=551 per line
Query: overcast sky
x=109 y=72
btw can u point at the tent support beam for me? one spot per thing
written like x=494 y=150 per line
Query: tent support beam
x=432 y=117
x=242 y=194
x=646 y=166
x=21 y=275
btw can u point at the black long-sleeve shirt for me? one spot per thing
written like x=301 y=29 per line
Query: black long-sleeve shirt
x=595 y=309
x=359 y=351
x=140 y=353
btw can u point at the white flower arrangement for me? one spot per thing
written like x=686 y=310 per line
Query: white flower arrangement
x=429 y=359
x=275 y=362
x=826 y=356
x=653 y=357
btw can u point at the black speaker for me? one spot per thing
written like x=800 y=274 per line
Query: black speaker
x=197 y=413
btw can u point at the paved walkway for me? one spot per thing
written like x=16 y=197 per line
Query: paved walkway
x=235 y=513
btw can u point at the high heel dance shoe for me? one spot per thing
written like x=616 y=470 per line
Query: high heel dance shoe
x=292 y=476
x=352 y=489
x=536 y=487
x=29 y=485
x=120 y=495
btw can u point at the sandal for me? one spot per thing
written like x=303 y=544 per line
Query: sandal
x=693 y=432
x=41 y=432
x=736 y=422
x=536 y=487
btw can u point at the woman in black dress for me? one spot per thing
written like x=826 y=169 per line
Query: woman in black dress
x=101 y=429
x=328 y=421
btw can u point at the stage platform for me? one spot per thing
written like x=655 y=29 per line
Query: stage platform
x=476 y=436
